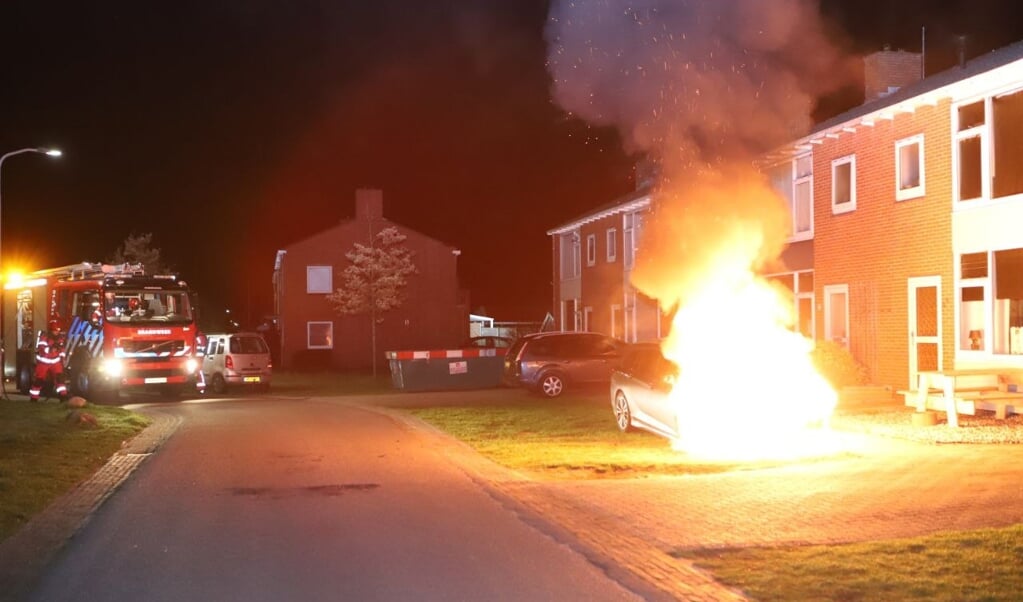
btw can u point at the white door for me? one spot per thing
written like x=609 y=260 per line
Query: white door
x=924 y=326
x=836 y=314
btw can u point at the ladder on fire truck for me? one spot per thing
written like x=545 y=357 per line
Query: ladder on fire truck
x=83 y=270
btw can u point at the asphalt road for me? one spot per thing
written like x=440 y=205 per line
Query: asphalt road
x=271 y=499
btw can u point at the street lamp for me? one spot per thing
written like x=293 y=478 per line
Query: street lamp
x=45 y=151
x=3 y=360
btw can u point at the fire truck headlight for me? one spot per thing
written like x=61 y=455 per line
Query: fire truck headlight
x=113 y=368
x=191 y=365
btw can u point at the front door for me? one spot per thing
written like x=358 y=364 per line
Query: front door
x=924 y=326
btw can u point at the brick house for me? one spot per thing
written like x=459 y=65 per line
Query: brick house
x=593 y=259
x=434 y=315
x=906 y=242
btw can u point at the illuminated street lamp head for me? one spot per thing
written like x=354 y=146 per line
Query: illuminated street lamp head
x=53 y=152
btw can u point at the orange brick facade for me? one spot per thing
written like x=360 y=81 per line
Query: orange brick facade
x=876 y=248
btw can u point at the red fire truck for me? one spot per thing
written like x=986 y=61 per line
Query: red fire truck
x=124 y=328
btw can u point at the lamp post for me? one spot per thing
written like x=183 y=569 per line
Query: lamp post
x=45 y=151
x=3 y=360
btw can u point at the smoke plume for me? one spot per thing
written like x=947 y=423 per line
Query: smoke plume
x=704 y=87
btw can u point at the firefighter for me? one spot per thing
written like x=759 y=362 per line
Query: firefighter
x=50 y=356
x=200 y=355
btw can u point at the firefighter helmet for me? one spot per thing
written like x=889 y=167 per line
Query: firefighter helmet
x=54 y=325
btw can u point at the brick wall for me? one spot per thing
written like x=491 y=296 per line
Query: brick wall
x=879 y=246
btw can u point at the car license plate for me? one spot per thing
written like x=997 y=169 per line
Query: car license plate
x=155 y=380
x=252 y=379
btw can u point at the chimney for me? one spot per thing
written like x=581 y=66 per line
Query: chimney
x=886 y=71
x=369 y=204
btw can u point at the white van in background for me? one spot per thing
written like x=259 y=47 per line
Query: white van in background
x=236 y=359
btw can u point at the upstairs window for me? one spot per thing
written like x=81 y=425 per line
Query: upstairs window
x=612 y=245
x=793 y=181
x=1007 y=134
x=591 y=249
x=571 y=262
x=633 y=225
x=319 y=279
x=909 y=168
x=843 y=184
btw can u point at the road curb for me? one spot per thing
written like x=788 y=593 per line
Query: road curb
x=24 y=555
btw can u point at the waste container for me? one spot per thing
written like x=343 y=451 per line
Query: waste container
x=447 y=369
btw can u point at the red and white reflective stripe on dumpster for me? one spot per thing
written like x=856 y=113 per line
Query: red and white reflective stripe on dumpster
x=445 y=354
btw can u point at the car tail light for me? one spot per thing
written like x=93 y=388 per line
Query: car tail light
x=229 y=362
x=269 y=364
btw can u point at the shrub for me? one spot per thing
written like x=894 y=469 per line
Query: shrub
x=837 y=365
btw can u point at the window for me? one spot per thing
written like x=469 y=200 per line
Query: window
x=591 y=249
x=836 y=314
x=570 y=260
x=793 y=180
x=843 y=184
x=990 y=302
x=633 y=225
x=612 y=245
x=800 y=285
x=320 y=335
x=970 y=137
x=909 y=168
x=319 y=279
x=1007 y=134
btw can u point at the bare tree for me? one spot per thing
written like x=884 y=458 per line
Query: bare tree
x=138 y=248
x=375 y=280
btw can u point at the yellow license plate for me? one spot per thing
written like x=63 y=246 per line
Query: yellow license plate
x=252 y=379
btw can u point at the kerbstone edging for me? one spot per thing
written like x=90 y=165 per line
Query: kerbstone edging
x=24 y=555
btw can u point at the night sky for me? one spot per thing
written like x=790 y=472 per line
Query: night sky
x=230 y=129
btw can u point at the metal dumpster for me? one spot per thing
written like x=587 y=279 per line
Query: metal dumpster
x=447 y=369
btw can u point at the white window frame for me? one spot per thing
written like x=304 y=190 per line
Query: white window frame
x=790 y=180
x=983 y=133
x=587 y=318
x=850 y=205
x=310 y=279
x=591 y=250
x=913 y=192
x=308 y=335
x=829 y=291
x=612 y=245
x=632 y=224
x=571 y=262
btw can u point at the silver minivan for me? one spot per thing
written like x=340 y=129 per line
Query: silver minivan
x=236 y=359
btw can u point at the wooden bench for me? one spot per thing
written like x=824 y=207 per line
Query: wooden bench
x=969 y=401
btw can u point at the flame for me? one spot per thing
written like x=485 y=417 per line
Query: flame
x=748 y=388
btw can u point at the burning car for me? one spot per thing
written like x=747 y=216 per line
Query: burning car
x=640 y=391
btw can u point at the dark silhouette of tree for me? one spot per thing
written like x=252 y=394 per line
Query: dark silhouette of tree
x=138 y=248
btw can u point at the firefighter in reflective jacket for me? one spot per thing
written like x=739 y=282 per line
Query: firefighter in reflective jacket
x=200 y=354
x=49 y=362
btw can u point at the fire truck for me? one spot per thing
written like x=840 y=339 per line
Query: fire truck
x=124 y=328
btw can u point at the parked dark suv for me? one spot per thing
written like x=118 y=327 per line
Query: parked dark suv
x=548 y=362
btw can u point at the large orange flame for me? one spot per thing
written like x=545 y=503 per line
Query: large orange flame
x=748 y=388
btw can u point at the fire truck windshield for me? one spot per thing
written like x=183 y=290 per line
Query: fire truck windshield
x=147 y=306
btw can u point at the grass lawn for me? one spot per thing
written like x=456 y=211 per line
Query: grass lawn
x=951 y=567
x=42 y=455
x=572 y=437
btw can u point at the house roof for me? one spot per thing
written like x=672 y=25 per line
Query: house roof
x=631 y=201
x=956 y=82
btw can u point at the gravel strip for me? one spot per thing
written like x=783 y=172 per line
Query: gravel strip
x=897 y=423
